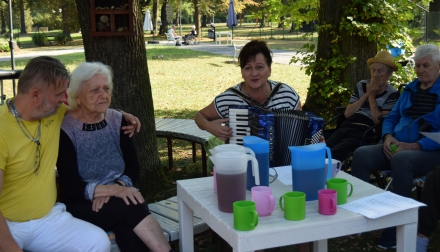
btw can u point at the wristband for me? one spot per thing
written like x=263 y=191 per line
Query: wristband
x=120 y=183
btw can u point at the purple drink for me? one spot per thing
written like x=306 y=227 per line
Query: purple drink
x=230 y=188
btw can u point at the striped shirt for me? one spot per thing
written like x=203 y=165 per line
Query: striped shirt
x=285 y=98
x=385 y=102
x=423 y=103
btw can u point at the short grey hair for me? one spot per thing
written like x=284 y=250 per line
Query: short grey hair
x=42 y=70
x=428 y=49
x=83 y=73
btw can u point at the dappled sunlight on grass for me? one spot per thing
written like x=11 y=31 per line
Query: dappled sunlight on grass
x=186 y=80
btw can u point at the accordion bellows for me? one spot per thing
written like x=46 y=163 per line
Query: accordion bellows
x=282 y=128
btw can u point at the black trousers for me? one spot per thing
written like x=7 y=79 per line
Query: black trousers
x=429 y=216
x=115 y=216
x=344 y=141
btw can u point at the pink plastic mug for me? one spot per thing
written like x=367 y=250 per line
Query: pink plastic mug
x=327 y=201
x=263 y=198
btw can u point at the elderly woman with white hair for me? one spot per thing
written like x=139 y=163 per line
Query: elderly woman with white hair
x=414 y=155
x=191 y=34
x=98 y=165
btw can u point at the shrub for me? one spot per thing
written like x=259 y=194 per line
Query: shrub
x=4 y=47
x=39 y=39
x=60 y=38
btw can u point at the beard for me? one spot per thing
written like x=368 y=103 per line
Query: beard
x=45 y=109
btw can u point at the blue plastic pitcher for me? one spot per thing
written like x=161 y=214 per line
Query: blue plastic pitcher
x=261 y=149
x=308 y=169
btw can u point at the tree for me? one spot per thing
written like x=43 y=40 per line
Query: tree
x=163 y=16
x=197 y=16
x=69 y=16
x=433 y=26
x=3 y=13
x=63 y=14
x=132 y=90
x=350 y=32
x=21 y=6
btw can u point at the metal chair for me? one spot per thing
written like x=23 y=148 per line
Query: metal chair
x=8 y=75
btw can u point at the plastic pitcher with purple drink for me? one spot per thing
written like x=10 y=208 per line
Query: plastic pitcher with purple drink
x=308 y=169
x=230 y=169
x=228 y=147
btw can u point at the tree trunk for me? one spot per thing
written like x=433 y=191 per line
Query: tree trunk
x=163 y=16
x=204 y=20
x=433 y=25
x=154 y=19
x=22 y=18
x=132 y=90
x=3 y=18
x=280 y=24
x=292 y=27
x=197 y=22
x=331 y=12
x=363 y=49
x=65 y=16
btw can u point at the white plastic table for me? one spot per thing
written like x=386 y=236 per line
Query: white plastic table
x=198 y=196
x=218 y=37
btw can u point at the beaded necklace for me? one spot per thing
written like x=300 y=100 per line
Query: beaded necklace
x=27 y=133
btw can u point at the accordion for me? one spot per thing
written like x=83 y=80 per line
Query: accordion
x=282 y=128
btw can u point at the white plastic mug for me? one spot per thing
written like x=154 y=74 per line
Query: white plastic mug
x=336 y=167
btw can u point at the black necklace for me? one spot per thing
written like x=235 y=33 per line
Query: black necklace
x=95 y=126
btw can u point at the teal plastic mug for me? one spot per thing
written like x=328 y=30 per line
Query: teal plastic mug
x=293 y=204
x=245 y=215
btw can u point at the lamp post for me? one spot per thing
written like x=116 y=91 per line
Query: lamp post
x=11 y=42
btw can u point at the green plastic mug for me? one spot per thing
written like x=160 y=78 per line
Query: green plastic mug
x=245 y=215
x=340 y=185
x=393 y=148
x=294 y=206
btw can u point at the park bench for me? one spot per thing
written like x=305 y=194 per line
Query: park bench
x=238 y=45
x=183 y=129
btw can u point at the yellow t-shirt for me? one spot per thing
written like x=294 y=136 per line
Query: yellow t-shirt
x=26 y=195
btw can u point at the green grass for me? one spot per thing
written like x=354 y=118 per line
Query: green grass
x=198 y=76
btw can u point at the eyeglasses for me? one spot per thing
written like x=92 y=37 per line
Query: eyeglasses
x=275 y=176
x=37 y=158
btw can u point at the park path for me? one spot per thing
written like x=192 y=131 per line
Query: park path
x=28 y=55
x=279 y=56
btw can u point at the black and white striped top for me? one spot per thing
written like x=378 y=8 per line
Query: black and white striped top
x=385 y=101
x=285 y=98
x=423 y=103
